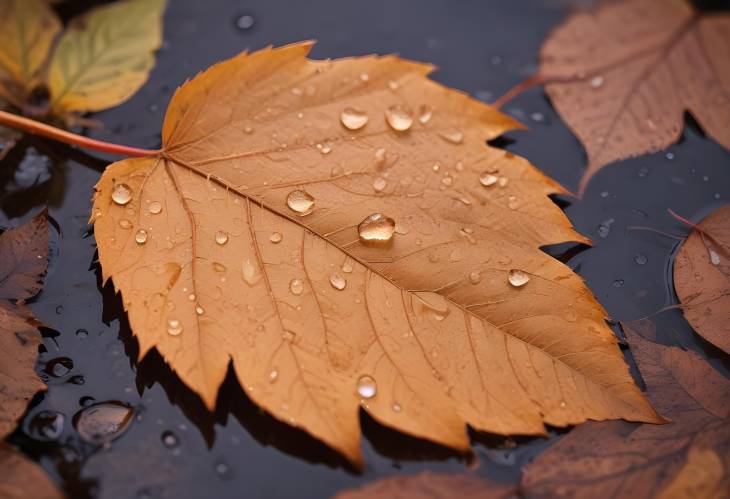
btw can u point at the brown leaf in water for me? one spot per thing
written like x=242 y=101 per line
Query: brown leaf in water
x=22 y=478
x=23 y=263
x=619 y=459
x=702 y=278
x=622 y=76
x=427 y=485
x=253 y=237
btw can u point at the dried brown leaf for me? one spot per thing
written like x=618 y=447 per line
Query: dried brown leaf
x=24 y=258
x=424 y=331
x=427 y=485
x=618 y=459
x=622 y=76
x=702 y=278
x=22 y=478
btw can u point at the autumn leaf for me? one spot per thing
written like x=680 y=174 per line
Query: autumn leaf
x=28 y=30
x=105 y=56
x=427 y=485
x=341 y=232
x=619 y=459
x=22 y=478
x=622 y=76
x=702 y=278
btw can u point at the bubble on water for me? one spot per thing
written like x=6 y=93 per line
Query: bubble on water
x=169 y=439
x=101 y=423
x=245 y=22
x=597 y=81
x=367 y=388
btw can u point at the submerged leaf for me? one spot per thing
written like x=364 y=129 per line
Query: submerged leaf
x=702 y=278
x=342 y=266
x=22 y=478
x=105 y=55
x=622 y=76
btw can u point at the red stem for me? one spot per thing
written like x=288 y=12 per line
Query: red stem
x=526 y=84
x=38 y=128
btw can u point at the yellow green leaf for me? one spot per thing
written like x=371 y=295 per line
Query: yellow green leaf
x=28 y=30
x=105 y=56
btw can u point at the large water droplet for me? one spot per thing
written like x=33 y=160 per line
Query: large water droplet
x=250 y=272
x=45 y=426
x=453 y=136
x=433 y=303
x=174 y=327
x=101 y=423
x=337 y=281
x=296 y=286
x=121 y=194
x=221 y=237
x=366 y=387
x=487 y=179
x=353 y=119
x=424 y=114
x=141 y=236
x=300 y=201
x=518 y=278
x=155 y=207
x=376 y=228
x=399 y=118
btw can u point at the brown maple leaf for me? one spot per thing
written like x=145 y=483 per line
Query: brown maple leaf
x=622 y=76
x=22 y=478
x=619 y=459
x=702 y=278
x=342 y=233
x=427 y=485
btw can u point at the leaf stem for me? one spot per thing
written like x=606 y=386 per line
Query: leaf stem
x=37 y=128
x=526 y=84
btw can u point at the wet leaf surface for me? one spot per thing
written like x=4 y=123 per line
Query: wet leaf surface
x=622 y=75
x=21 y=476
x=426 y=302
x=702 y=278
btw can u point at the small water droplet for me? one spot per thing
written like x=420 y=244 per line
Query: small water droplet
x=221 y=237
x=503 y=181
x=121 y=194
x=250 y=272
x=245 y=22
x=380 y=156
x=296 y=286
x=670 y=156
x=300 y=201
x=379 y=184
x=714 y=257
x=337 y=281
x=433 y=303
x=643 y=172
x=366 y=387
x=617 y=283
x=353 y=119
x=605 y=228
x=59 y=367
x=396 y=407
x=199 y=310
x=512 y=202
x=447 y=179
x=248 y=130
x=125 y=224
x=453 y=136
x=169 y=439
x=174 y=327
x=273 y=375
x=518 y=278
x=393 y=85
x=597 y=81
x=276 y=237
x=640 y=259
x=219 y=267
x=487 y=179
x=347 y=266
x=376 y=228
x=399 y=118
x=141 y=236
x=475 y=277
x=364 y=77
x=324 y=148
x=101 y=423
x=425 y=112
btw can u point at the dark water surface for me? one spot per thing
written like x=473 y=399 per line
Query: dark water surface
x=173 y=448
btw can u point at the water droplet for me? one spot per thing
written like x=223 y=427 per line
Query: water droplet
x=366 y=387
x=300 y=201
x=670 y=156
x=393 y=85
x=155 y=207
x=512 y=202
x=218 y=267
x=296 y=286
x=563 y=404
x=447 y=179
x=714 y=257
x=364 y=77
x=503 y=181
x=376 y=228
x=379 y=184
x=537 y=117
x=617 y=283
x=125 y=224
x=396 y=407
x=475 y=277
x=199 y=310
x=45 y=426
x=436 y=167
x=250 y=272
x=337 y=281
x=324 y=148
x=380 y=156
x=605 y=228
x=245 y=22
x=353 y=119
x=347 y=266
x=597 y=81
x=221 y=237
x=399 y=118
x=276 y=237
x=518 y=278
x=248 y=130
x=121 y=194
x=141 y=236
x=453 y=136
x=424 y=114
x=433 y=303
x=59 y=367
x=101 y=423
x=487 y=179
x=169 y=439
x=643 y=172
x=288 y=336
x=273 y=375
x=174 y=327
x=82 y=333
x=640 y=259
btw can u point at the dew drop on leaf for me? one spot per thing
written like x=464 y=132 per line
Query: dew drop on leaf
x=714 y=257
x=396 y=407
x=512 y=203
x=141 y=236
x=221 y=237
x=518 y=278
x=424 y=114
x=300 y=201
x=453 y=136
x=380 y=156
x=475 y=277
x=250 y=272
x=324 y=148
x=347 y=266
x=121 y=194
x=487 y=179
x=101 y=423
x=376 y=228
x=296 y=286
x=597 y=81
x=353 y=119
x=366 y=387
x=174 y=327
x=125 y=224
x=276 y=237
x=337 y=281
x=155 y=207
x=379 y=184
x=199 y=310
x=273 y=375
x=503 y=181
x=431 y=303
x=399 y=118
